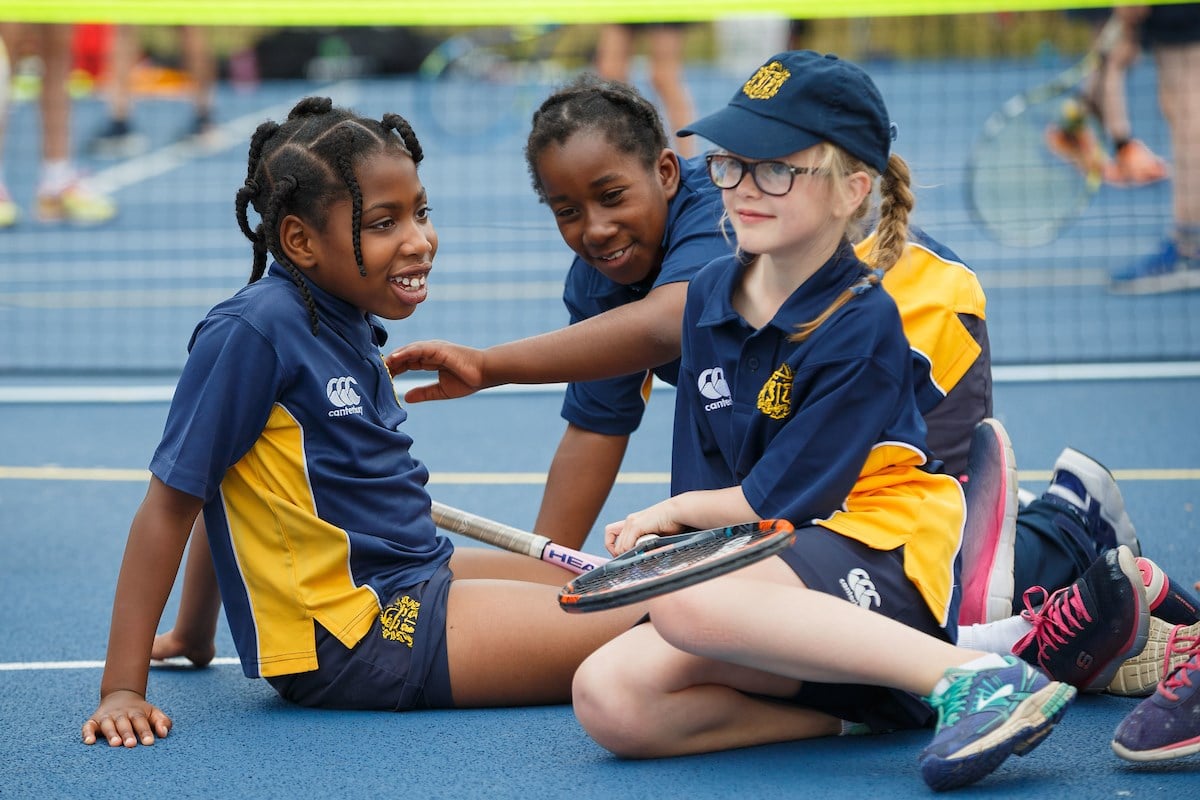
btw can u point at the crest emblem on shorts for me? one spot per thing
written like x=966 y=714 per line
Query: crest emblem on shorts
x=398 y=620
x=765 y=83
x=775 y=397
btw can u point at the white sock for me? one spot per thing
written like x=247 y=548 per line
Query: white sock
x=994 y=637
x=1068 y=495
x=990 y=661
x=56 y=176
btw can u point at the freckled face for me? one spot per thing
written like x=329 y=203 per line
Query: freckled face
x=397 y=239
x=610 y=209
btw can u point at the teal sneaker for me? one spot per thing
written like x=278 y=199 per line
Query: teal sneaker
x=986 y=715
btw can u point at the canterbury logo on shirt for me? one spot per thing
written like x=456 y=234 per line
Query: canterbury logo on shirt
x=343 y=397
x=712 y=385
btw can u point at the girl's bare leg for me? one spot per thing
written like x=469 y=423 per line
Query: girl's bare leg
x=510 y=644
x=487 y=562
x=639 y=697
x=669 y=689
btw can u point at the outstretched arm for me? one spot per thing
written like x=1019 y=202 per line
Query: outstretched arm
x=630 y=338
x=582 y=474
x=157 y=539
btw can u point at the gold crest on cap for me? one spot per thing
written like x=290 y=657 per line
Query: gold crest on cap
x=764 y=84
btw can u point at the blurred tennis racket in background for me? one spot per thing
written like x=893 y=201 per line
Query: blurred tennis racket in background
x=1035 y=167
x=657 y=565
x=479 y=87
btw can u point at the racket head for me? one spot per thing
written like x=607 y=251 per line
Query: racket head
x=674 y=562
x=1027 y=179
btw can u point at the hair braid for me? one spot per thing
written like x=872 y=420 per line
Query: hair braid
x=896 y=203
x=346 y=169
x=626 y=119
x=409 y=137
x=302 y=168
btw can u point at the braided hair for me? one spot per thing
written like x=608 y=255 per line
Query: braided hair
x=305 y=165
x=616 y=110
x=891 y=232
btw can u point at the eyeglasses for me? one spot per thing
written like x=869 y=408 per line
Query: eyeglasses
x=771 y=177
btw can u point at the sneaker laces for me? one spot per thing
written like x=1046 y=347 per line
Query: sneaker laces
x=1061 y=616
x=1181 y=678
x=952 y=700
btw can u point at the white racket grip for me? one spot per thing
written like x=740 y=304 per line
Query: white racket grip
x=489 y=531
x=572 y=560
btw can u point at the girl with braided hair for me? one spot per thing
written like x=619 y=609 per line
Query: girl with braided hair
x=796 y=401
x=285 y=430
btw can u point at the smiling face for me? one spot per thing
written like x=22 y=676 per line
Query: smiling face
x=610 y=208
x=397 y=239
x=811 y=218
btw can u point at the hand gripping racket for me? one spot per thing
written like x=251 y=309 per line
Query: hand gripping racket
x=513 y=539
x=658 y=565
x=1038 y=162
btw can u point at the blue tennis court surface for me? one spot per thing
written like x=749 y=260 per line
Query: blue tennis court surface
x=71 y=477
x=112 y=308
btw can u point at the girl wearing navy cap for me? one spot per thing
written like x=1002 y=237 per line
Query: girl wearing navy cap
x=796 y=400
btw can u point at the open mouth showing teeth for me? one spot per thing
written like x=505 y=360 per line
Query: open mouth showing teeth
x=614 y=256
x=406 y=282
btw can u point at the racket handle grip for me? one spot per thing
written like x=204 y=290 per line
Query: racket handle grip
x=489 y=531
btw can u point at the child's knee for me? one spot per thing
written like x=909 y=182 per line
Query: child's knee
x=610 y=706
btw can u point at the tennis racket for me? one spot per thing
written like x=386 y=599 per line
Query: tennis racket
x=658 y=565
x=477 y=88
x=513 y=539
x=1035 y=167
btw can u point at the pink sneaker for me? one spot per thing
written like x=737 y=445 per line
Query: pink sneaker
x=990 y=533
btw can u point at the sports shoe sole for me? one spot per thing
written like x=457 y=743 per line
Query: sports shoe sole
x=1179 y=280
x=1179 y=750
x=1030 y=723
x=1093 y=474
x=1138 y=676
x=989 y=536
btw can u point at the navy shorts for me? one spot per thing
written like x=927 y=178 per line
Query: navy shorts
x=400 y=665
x=874 y=579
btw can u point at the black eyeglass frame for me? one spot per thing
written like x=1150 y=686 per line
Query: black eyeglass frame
x=751 y=168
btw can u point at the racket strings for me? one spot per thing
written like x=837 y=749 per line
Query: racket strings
x=668 y=560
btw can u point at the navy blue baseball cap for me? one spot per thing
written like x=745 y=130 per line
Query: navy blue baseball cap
x=798 y=99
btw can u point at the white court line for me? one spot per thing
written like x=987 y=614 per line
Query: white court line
x=42 y=394
x=18 y=666
x=115 y=475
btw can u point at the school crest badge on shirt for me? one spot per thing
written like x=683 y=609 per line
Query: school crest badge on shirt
x=775 y=397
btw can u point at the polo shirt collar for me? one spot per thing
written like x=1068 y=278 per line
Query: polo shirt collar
x=842 y=270
x=361 y=330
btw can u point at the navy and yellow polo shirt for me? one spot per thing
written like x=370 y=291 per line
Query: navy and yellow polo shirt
x=944 y=311
x=315 y=508
x=825 y=431
x=693 y=238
